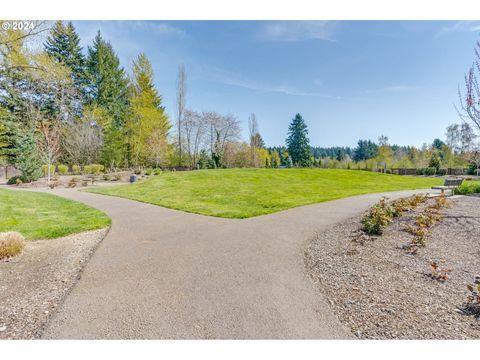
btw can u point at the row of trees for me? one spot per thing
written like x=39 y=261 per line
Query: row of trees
x=59 y=104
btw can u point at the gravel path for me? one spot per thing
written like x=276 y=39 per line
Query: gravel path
x=35 y=282
x=163 y=273
x=381 y=292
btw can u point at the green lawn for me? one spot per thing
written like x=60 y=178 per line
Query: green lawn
x=45 y=216
x=242 y=193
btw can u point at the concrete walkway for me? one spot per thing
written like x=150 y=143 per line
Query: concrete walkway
x=163 y=273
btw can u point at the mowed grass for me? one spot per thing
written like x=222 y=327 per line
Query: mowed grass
x=45 y=216
x=242 y=193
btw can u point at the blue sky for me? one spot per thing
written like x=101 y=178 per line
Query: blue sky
x=348 y=79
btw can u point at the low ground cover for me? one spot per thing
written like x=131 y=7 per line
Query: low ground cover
x=242 y=193
x=45 y=216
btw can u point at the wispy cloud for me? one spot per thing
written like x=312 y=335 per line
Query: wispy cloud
x=158 y=28
x=390 y=88
x=298 y=31
x=460 y=26
x=224 y=77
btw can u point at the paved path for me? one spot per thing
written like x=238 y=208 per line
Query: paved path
x=163 y=273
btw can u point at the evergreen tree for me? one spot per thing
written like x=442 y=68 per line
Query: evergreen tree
x=298 y=142
x=147 y=124
x=108 y=83
x=108 y=90
x=366 y=149
x=63 y=45
x=27 y=159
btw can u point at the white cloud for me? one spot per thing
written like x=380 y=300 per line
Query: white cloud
x=227 y=78
x=158 y=28
x=460 y=26
x=391 y=88
x=298 y=30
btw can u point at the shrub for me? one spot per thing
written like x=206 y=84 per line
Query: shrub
x=97 y=168
x=73 y=182
x=45 y=170
x=472 y=305
x=14 y=180
x=470 y=187
x=117 y=177
x=62 y=169
x=148 y=172
x=378 y=217
x=430 y=171
x=106 y=177
x=442 y=172
x=137 y=171
x=419 y=171
x=27 y=159
x=438 y=273
x=11 y=243
x=157 y=171
x=87 y=169
x=76 y=170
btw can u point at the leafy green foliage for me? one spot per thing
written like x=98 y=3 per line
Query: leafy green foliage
x=468 y=187
x=298 y=143
x=378 y=217
x=27 y=160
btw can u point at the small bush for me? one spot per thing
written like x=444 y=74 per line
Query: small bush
x=378 y=217
x=16 y=180
x=45 y=170
x=106 y=177
x=471 y=187
x=117 y=177
x=419 y=171
x=11 y=244
x=157 y=171
x=472 y=305
x=97 y=168
x=442 y=172
x=73 y=182
x=148 y=172
x=76 y=170
x=438 y=273
x=62 y=169
x=430 y=171
x=87 y=169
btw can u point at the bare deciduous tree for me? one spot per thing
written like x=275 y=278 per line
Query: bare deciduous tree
x=470 y=99
x=83 y=141
x=49 y=144
x=253 y=131
x=222 y=129
x=180 y=106
x=195 y=127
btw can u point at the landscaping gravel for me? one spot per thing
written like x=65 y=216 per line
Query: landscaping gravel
x=382 y=292
x=35 y=282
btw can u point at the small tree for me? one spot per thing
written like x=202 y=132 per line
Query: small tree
x=49 y=145
x=27 y=160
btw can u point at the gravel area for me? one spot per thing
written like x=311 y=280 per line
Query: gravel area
x=35 y=282
x=382 y=292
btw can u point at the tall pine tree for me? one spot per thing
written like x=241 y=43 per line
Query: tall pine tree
x=108 y=90
x=63 y=45
x=108 y=83
x=298 y=143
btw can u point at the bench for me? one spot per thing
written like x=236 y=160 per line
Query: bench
x=450 y=184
